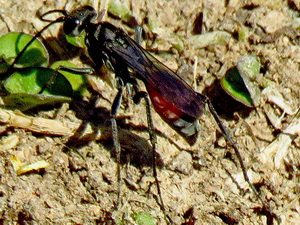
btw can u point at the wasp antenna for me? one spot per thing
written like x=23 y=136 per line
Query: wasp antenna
x=63 y=12
x=58 y=20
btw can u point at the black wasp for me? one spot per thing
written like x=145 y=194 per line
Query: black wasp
x=172 y=98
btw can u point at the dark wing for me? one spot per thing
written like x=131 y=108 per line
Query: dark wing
x=157 y=76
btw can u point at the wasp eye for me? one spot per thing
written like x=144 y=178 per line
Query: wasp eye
x=73 y=27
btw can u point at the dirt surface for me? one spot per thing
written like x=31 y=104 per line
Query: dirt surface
x=198 y=183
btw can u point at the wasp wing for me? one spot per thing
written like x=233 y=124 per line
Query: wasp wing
x=158 y=77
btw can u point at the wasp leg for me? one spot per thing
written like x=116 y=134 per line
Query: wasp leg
x=114 y=128
x=137 y=98
x=227 y=135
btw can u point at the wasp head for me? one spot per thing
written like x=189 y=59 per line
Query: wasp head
x=77 y=20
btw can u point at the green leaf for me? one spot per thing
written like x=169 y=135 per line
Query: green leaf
x=78 y=81
x=77 y=41
x=240 y=81
x=210 y=38
x=118 y=9
x=234 y=85
x=25 y=101
x=142 y=218
x=38 y=80
x=12 y=44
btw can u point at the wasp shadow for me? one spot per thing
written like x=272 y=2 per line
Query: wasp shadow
x=135 y=149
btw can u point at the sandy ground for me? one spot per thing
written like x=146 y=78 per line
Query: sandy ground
x=201 y=184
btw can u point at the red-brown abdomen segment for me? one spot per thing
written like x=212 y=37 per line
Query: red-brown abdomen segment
x=186 y=125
